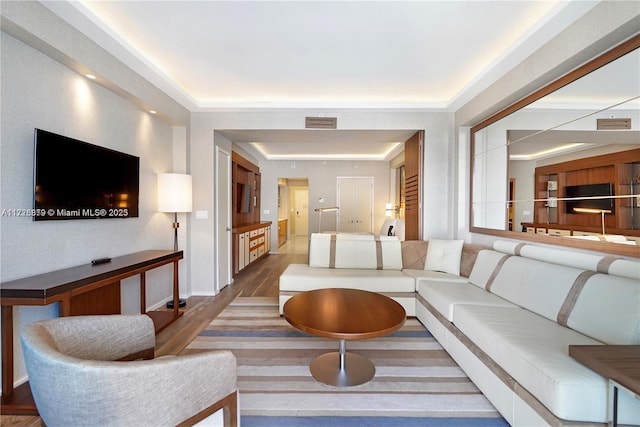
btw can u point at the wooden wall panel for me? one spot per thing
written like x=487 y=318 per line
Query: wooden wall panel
x=615 y=168
x=103 y=300
x=246 y=173
x=413 y=169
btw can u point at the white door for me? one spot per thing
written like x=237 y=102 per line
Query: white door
x=223 y=219
x=355 y=202
x=301 y=206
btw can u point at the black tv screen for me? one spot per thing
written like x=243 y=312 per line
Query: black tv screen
x=244 y=198
x=585 y=193
x=77 y=180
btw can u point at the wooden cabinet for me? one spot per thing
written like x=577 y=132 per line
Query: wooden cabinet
x=283 y=226
x=620 y=170
x=251 y=238
x=250 y=243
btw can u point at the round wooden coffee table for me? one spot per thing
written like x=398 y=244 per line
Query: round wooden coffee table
x=343 y=314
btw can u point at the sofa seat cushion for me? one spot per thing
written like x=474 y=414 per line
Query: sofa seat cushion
x=433 y=276
x=534 y=351
x=444 y=296
x=301 y=277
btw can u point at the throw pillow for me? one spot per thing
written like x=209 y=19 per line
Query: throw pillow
x=444 y=255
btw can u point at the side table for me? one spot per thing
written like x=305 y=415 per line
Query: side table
x=620 y=364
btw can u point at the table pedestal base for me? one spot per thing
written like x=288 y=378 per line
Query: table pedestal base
x=342 y=369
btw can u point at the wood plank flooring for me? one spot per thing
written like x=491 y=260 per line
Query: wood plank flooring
x=259 y=279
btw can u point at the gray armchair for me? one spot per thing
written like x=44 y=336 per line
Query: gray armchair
x=79 y=377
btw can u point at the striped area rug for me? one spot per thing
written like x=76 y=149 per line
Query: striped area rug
x=416 y=381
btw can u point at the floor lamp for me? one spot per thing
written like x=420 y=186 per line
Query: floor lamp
x=174 y=196
x=320 y=210
x=594 y=211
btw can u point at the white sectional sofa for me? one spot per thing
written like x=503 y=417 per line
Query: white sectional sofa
x=356 y=261
x=506 y=314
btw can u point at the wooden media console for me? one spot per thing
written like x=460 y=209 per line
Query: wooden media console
x=85 y=289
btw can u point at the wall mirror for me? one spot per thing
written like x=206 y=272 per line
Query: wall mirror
x=562 y=166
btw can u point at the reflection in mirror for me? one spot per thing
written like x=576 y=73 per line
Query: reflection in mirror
x=567 y=164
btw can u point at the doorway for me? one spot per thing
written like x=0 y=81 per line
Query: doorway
x=293 y=215
x=223 y=220
x=511 y=207
x=300 y=214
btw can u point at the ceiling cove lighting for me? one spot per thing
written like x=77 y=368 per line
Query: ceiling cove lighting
x=539 y=154
x=262 y=149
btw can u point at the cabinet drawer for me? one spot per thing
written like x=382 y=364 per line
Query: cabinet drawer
x=260 y=230
x=559 y=232
x=261 y=251
x=541 y=231
x=253 y=255
x=585 y=233
x=260 y=240
x=253 y=243
x=253 y=233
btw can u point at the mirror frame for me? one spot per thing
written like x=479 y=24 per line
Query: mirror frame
x=607 y=247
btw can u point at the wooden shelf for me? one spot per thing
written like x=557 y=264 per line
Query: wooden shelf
x=283 y=227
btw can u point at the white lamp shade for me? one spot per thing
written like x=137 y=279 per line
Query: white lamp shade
x=174 y=192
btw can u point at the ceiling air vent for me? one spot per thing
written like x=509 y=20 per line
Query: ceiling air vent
x=609 y=124
x=321 y=122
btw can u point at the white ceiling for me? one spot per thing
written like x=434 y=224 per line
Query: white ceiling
x=319 y=55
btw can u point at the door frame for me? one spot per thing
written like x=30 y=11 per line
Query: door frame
x=223 y=246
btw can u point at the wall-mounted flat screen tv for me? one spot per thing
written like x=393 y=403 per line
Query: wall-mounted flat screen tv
x=244 y=198
x=77 y=180
x=587 y=195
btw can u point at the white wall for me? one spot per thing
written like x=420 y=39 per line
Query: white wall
x=38 y=91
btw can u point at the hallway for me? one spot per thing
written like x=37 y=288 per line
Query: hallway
x=295 y=245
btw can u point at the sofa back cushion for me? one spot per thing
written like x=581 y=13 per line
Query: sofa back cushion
x=414 y=254
x=593 y=262
x=359 y=251
x=607 y=308
x=535 y=285
x=624 y=268
x=486 y=267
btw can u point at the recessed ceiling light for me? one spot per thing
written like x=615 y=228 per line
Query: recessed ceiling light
x=90 y=76
x=153 y=112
